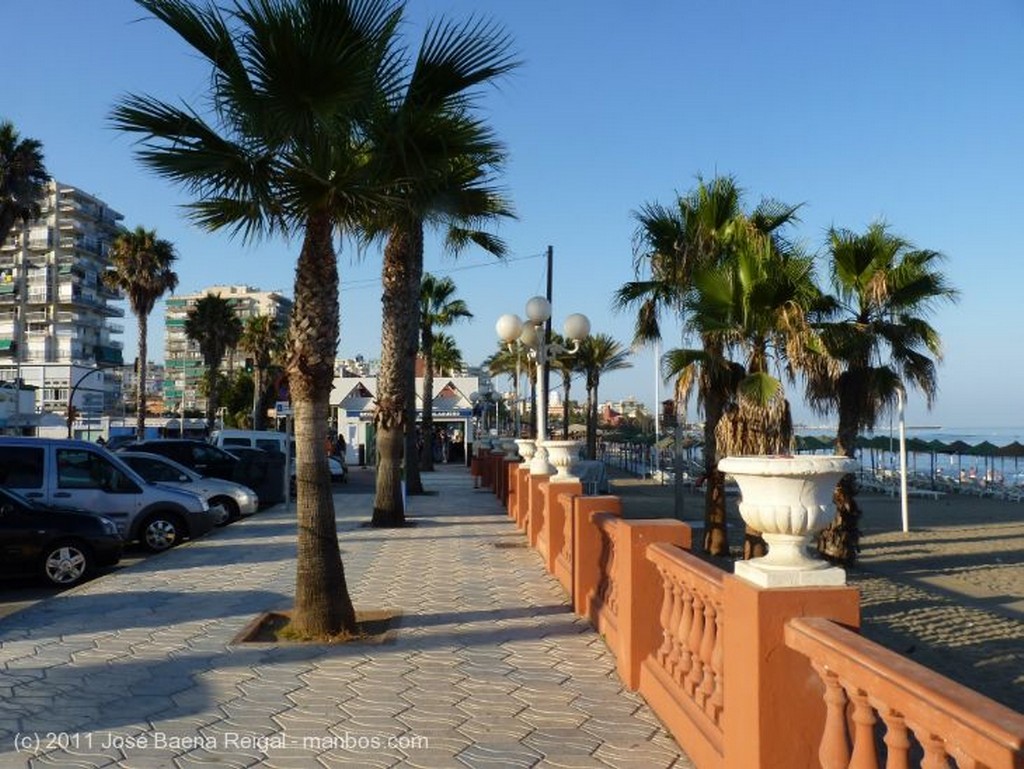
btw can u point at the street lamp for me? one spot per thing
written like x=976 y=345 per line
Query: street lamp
x=72 y=411
x=531 y=333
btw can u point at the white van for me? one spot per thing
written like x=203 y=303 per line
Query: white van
x=70 y=473
x=268 y=440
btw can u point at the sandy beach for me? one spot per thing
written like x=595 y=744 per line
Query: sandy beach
x=949 y=594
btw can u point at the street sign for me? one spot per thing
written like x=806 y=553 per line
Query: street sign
x=283 y=409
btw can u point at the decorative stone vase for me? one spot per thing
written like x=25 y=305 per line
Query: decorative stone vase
x=563 y=455
x=788 y=499
x=509 y=445
x=526 y=448
x=539 y=464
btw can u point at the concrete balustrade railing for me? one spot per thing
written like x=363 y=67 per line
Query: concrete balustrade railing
x=686 y=675
x=744 y=676
x=868 y=688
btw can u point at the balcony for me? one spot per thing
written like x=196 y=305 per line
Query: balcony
x=108 y=355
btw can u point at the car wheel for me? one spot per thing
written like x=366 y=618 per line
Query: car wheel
x=161 y=531
x=230 y=507
x=66 y=563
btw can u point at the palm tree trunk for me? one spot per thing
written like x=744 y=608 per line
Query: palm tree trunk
x=716 y=540
x=322 y=602
x=565 y=411
x=591 y=421
x=840 y=541
x=427 y=453
x=395 y=398
x=140 y=394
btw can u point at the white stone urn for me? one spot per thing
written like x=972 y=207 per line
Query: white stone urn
x=788 y=499
x=563 y=455
x=526 y=448
x=539 y=464
x=509 y=446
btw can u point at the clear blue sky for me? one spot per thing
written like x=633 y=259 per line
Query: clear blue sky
x=909 y=111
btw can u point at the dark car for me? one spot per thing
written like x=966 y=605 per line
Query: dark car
x=62 y=545
x=205 y=459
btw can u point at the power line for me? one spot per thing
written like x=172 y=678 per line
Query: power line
x=356 y=285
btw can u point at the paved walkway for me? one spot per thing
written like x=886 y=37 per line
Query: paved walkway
x=489 y=668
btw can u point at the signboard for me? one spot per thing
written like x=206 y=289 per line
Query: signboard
x=283 y=409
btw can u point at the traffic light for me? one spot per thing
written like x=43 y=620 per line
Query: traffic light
x=250 y=364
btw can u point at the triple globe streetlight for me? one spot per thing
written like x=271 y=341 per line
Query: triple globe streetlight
x=513 y=330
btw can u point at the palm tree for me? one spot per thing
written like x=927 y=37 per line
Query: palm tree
x=670 y=242
x=23 y=178
x=442 y=161
x=438 y=308
x=213 y=325
x=751 y=308
x=566 y=364
x=510 y=362
x=876 y=339
x=598 y=354
x=141 y=268
x=262 y=338
x=446 y=354
x=292 y=89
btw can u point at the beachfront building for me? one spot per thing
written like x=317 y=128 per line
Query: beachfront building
x=454 y=410
x=183 y=362
x=58 y=331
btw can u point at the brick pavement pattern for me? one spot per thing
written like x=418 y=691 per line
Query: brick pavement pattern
x=489 y=669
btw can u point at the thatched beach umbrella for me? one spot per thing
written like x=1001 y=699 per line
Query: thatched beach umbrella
x=1015 y=450
x=987 y=451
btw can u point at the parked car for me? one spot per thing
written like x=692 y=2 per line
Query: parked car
x=205 y=459
x=61 y=473
x=63 y=546
x=268 y=440
x=228 y=499
x=338 y=469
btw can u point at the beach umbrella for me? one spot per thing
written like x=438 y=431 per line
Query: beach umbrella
x=987 y=451
x=1015 y=450
x=959 y=448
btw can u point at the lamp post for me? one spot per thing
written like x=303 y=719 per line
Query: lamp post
x=511 y=328
x=71 y=396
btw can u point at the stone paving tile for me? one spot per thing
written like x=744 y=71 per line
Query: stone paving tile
x=489 y=667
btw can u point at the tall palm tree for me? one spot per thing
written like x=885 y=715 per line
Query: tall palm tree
x=438 y=309
x=877 y=339
x=23 y=178
x=442 y=161
x=293 y=87
x=213 y=324
x=142 y=268
x=669 y=243
x=598 y=355
x=262 y=338
x=513 y=363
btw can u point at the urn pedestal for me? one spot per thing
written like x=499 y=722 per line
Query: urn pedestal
x=788 y=499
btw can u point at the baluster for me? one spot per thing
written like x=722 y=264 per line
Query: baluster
x=897 y=740
x=864 y=755
x=667 y=602
x=935 y=756
x=683 y=635
x=707 y=647
x=613 y=582
x=693 y=642
x=672 y=629
x=834 y=752
x=717 y=655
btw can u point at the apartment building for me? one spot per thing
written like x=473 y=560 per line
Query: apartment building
x=183 y=363
x=58 y=331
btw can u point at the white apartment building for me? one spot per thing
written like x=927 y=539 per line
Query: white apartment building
x=183 y=363
x=56 y=331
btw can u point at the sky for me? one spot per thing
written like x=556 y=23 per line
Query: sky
x=909 y=112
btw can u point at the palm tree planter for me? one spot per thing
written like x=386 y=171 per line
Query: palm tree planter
x=788 y=499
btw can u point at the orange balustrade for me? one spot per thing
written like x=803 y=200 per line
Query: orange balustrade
x=868 y=687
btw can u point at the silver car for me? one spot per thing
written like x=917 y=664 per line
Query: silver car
x=229 y=499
